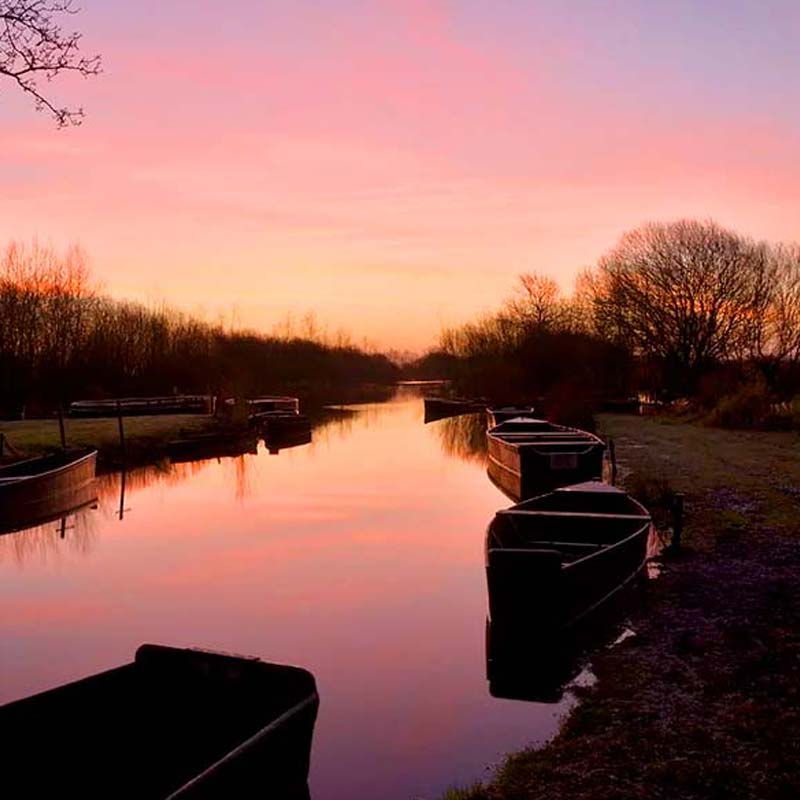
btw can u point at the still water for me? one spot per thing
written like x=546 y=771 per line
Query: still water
x=358 y=556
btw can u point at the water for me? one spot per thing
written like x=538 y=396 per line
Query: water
x=359 y=557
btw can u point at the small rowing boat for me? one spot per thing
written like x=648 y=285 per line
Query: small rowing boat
x=552 y=560
x=527 y=456
x=37 y=490
x=174 y=724
x=441 y=407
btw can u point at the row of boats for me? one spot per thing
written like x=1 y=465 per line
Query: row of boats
x=568 y=546
x=178 y=723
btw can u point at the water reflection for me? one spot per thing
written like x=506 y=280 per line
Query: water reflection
x=358 y=556
x=74 y=531
x=463 y=437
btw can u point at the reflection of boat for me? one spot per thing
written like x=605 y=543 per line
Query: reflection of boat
x=555 y=558
x=174 y=723
x=498 y=414
x=38 y=490
x=529 y=455
x=277 y=439
x=441 y=407
x=216 y=444
x=141 y=406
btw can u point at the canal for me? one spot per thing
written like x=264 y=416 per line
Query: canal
x=358 y=556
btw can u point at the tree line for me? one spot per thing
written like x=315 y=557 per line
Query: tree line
x=62 y=339
x=672 y=309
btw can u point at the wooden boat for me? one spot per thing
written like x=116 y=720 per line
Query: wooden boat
x=280 y=421
x=214 y=444
x=142 y=406
x=527 y=456
x=173 y=724
x=267 y=404
x=37 y=490
x=440 y=407
x=556 y=558
x=497 y=414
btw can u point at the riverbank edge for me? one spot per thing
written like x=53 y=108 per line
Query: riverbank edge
x=703 y=701
x=147 y=438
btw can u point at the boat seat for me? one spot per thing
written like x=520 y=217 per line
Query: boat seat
x=561 y=545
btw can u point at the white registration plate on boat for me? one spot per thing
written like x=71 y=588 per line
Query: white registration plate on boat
x=563 y=461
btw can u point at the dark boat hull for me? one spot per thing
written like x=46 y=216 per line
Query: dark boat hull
x=212 y=445
x=41 y=489
x=437 y=408
x=555 y=566
x=173 y=724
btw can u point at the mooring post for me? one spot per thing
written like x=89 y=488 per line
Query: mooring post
x=121 y=428
x=61 y=430
x=677 y=520
x=612 y=455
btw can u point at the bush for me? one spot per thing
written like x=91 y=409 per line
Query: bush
x=748 y=407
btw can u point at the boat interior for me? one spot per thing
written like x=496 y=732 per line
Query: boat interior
x=41 y=464
x=572 y=535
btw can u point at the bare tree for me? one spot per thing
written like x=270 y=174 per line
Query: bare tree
x=777 y=338
x=33 y=45
x=688 y=292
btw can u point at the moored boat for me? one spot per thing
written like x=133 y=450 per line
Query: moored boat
x=497 y=414
x=554 y=559
x=175 y=723
x=142 y=406
x=37 y=490
x=440 y=407
x=527 y=456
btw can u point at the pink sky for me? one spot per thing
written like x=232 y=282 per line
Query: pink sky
x=394 y=165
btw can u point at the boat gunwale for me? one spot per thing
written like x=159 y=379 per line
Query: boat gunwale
x=13 y=480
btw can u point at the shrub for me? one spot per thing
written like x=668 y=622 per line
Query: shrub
x=748 y=407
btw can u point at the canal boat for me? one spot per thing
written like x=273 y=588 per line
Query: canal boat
x=497 y=414
x=277 y=439
x=441 y=407
x=527 y=456
x=37 y=490
x=174 y=723
x=555 y=558
x=142 y=406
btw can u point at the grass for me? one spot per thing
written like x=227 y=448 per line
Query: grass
x=146 y=438
x=703 y=701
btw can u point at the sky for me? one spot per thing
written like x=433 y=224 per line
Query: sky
x=393 y=165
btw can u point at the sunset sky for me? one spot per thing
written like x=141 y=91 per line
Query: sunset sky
x=393 y=165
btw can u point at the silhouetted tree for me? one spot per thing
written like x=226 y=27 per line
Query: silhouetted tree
x=33 y=45
x=687 y=293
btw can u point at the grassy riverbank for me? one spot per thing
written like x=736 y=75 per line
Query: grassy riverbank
x=146 y=438
x=703 y=701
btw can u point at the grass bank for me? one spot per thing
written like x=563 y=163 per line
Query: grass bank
x=703 y=701
x=146 y=438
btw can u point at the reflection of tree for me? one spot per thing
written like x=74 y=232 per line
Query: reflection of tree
x=463 y=437
x=77 y=532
